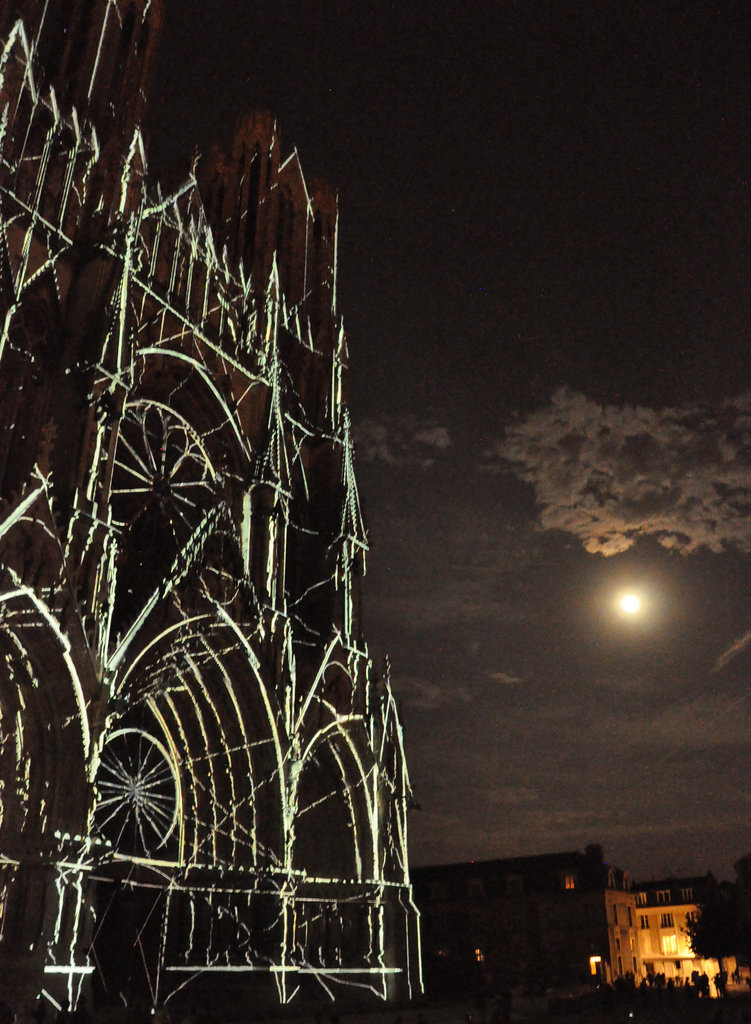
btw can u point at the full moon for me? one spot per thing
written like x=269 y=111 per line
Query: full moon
x=630 y=604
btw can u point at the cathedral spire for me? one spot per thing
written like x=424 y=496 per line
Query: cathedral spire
x=96 y=54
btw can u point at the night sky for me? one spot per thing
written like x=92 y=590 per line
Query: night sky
x=544 y=275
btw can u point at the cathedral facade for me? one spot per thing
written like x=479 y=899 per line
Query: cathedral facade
x=203 y=790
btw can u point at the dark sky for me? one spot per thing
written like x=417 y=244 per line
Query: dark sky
x=544 y=273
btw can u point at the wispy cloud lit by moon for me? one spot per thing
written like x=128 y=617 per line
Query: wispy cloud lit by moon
x=610 y=474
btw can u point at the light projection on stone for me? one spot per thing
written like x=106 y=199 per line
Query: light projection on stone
x=203 y=774
x=138 y=795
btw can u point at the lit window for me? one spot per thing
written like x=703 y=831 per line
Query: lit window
x=569 y=882
x=594 y=962
x=669 y=945
x=479 y=955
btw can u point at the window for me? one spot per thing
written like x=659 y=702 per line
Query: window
x=644 y=920
x=630 y=917
x=663 y=895
x=641 y=899
x=687 y=895
x=692 y=915
x=614 y=910
x=569 y=882
x=617 y=945
x=669 y=945
x=666 y=920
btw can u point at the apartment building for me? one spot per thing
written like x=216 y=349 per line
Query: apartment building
x=558 y=920
x=664 y=908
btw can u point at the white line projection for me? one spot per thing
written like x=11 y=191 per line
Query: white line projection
x=202 y=777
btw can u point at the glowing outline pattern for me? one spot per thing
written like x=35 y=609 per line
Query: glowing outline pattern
x=266 y=718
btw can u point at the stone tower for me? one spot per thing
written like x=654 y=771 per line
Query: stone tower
x=202 y=780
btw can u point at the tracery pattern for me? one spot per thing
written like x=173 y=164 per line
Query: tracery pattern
x=202 y=774
x=137 y=803
x=161 y=467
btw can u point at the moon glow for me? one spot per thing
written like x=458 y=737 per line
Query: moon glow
x=630 y=604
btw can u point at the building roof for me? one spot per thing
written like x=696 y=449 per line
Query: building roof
x=539 y=873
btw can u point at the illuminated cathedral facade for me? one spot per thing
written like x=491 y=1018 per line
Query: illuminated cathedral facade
x=203 y=791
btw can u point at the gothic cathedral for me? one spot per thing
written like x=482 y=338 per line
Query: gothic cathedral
x=203 y=791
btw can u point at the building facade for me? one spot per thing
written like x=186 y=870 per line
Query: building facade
x=664 y=909
x=203 y=785
x=554 y=921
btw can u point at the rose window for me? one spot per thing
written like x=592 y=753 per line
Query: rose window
x=161 y=468
x=138 y=794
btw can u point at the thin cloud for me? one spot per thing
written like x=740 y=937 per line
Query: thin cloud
x=507 y=678
x=434 y=437
x=738 y=645
x=609 y=475
x=422 y=693
x=401 y=441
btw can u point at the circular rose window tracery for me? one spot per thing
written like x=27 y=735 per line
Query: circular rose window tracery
x=161 y=467
x=162 y=485
x=138 y=800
